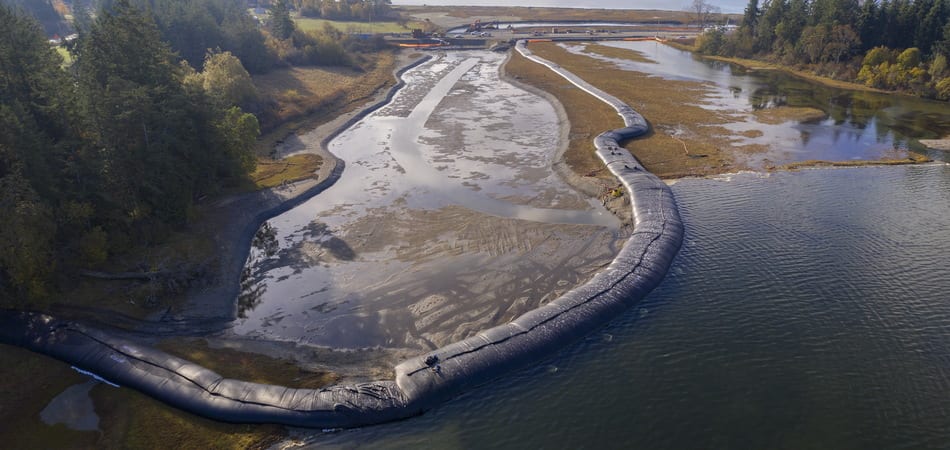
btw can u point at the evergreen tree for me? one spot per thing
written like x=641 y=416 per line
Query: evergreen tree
x=869 y=25
x=281 y=25
x=750 y=17
x=159 y=140
x=929 y=28
x=773 y=13
x=33 y=105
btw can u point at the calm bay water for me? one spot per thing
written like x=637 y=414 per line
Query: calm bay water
x=805 y=310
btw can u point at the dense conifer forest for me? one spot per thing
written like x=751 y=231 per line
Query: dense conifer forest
x=900 y=45
x=154 y=111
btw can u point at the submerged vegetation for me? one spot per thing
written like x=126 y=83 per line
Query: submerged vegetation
x=899 y=45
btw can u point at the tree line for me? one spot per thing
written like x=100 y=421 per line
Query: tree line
x=890 y=44
x=154 y=114
x=191 y=27
x=115 y=150
x=364 y=10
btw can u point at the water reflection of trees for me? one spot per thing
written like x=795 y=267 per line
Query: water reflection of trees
x=851 y=112
x=266 y=255
x=264 y=245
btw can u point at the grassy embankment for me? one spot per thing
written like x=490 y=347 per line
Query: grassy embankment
x=129 y=419
x=67 y=57
x=312 y=24
x=308 y=97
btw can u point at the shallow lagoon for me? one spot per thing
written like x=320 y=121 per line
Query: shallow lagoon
x=447 y=220
x=857 y=125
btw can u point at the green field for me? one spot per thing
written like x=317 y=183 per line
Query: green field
x=308 y=24
x=67 y=58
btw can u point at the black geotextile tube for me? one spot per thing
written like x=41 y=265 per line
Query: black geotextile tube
x=421 y=382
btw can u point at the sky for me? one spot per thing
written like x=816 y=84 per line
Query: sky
x=728 y=6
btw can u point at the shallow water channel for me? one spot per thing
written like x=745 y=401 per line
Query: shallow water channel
x=448 y=219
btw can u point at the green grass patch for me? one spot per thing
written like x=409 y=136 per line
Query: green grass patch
x=308 y=24
x=28 y=384
x=271 y=173
x=67 y=57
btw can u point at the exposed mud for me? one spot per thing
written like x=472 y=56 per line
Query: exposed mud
x=449 y=219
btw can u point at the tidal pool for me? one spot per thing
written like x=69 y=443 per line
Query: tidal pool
x=805 y=310
x=857 y=125
x=448 y=219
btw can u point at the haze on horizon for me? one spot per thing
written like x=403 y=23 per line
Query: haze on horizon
x=728 y=6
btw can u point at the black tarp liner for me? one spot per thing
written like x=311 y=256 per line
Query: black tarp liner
x=421 y=382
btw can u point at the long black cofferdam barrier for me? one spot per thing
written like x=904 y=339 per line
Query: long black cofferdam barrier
x=421 y=382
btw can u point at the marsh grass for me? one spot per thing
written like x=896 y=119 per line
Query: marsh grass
x=683 y=140
x=619 y=53
x=246 y=366
x=912 y=158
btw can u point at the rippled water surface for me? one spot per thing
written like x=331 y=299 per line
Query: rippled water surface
x=805 y=310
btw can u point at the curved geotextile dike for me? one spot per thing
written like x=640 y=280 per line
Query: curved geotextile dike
x=421 y=382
